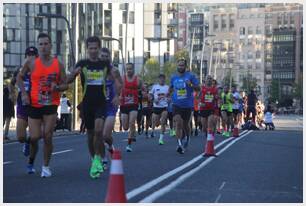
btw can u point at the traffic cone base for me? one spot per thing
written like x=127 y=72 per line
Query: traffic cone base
x=116 y=186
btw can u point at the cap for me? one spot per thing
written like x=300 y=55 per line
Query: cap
x=31 y=51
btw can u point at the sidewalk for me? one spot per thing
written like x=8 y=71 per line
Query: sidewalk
x=13 y=138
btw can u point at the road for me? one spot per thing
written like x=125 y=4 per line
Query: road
x=259 y=166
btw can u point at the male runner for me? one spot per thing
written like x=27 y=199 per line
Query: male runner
x=146 y=110
x=112 y=103
x=159 y=94
x=226 y=111
x=47 y=80
x=22 y=111
x=207 y=106
x=236 y=106
x=183 y=83
x=93 y=72
x=129 y=102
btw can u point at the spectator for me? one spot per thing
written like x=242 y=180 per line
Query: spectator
x=269 y=118
x=9 y=101
x=65 y=112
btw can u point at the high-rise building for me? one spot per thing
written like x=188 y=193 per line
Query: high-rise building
x=21 y=26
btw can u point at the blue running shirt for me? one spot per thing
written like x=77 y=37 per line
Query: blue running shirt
x=183 y=94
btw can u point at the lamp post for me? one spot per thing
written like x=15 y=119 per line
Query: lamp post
x=202 y=56
x=120 y=45
x=72 y=62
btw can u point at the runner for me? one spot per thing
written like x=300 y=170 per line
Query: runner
x=112 y=103
x=226 y=111
x=196 y=113
x=47 y=80
x=170 y=117
x=208 y=98
x=129 y=102
x=140 y=123
x=22 y=111
x=236 y=106
x=93 y=72
x=183 y=83
x=159 y=95
x=146 y=110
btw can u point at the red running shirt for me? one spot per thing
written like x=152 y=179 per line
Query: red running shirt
x=208 y=98
x=41 y=78
x=129 y=95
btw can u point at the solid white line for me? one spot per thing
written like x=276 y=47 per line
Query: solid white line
x=68 y=150
x=151 y=198
x=154 y=182
x=221 y=187
x=218 y=198
x=8 y=162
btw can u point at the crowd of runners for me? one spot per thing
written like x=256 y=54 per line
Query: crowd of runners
x=187 y=106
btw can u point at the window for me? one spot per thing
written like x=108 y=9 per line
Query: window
x=258 y=65
x=131 y=18
x=123 y=6
x=258 y=30
x=223 y=22
x=249 y=66
x=285 y=18
x=249 y=41
x=250 y=30
x=216 y=22
x=250 y=55
x=279 y=19
x=231 y=23
x=133 y=44
x=242 y=31
x=120 y=29
x=291 y=18
x=257 y=54
x=124 y=16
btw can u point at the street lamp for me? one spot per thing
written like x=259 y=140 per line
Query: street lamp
x=75 y=89
x=105 y=38
x=202 y=56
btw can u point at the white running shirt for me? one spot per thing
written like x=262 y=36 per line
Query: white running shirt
x=160 y=94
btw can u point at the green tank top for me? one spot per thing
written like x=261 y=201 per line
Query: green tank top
x=227 y=106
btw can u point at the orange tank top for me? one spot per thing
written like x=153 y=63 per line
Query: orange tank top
x=41 y=78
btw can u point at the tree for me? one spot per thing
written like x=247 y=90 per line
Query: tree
x=169 y=69
x=150 y=71
x=274 y=94
x=249 y=82
x=226 y=81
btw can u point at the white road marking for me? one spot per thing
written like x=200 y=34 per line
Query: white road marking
x=68 y=150
x=221 y=187
x=218 y=198
x=154 y=182
x=154 y=196
x=8 y=162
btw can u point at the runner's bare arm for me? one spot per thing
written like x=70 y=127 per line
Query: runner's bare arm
x=71 y=77
x=26 y=68
x=118 y=80
x=62 y=86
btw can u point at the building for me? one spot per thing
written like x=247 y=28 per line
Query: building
x=21 y=26
x=284 y=29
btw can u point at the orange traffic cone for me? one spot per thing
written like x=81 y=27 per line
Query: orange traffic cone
x=209 y=148
x=116 y=187
x=235 y=131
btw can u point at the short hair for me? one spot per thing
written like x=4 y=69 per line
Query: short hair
x=130 y=63
x=161 y=75
x=182 y=59
x=43 y=35
x=93 y=39
x=105 y=50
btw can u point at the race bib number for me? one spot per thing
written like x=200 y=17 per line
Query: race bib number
x=129 y=99
x=45 y=95
x=95 y=77
x=181 y=93
x=209 y=98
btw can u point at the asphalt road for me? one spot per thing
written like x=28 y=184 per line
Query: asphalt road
x=259 y=166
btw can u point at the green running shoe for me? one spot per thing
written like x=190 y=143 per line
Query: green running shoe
x=174 y=133
x=97 y=162
x=94 y=173
x=161 y=142
x=224 y=133
x=227 y=134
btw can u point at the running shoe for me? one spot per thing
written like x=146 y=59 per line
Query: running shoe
x=46 y=172
x=104 y=163
x=180 y=150
x=93 y=172
x=99 y=166
x=128 y=148
x=228 y=134
x=161 y=142
x=147 y=134
x=152 y=135
x=186 y=143
x=30 y=169
x=133 y=139
x=26 y=149
x=224 y=133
